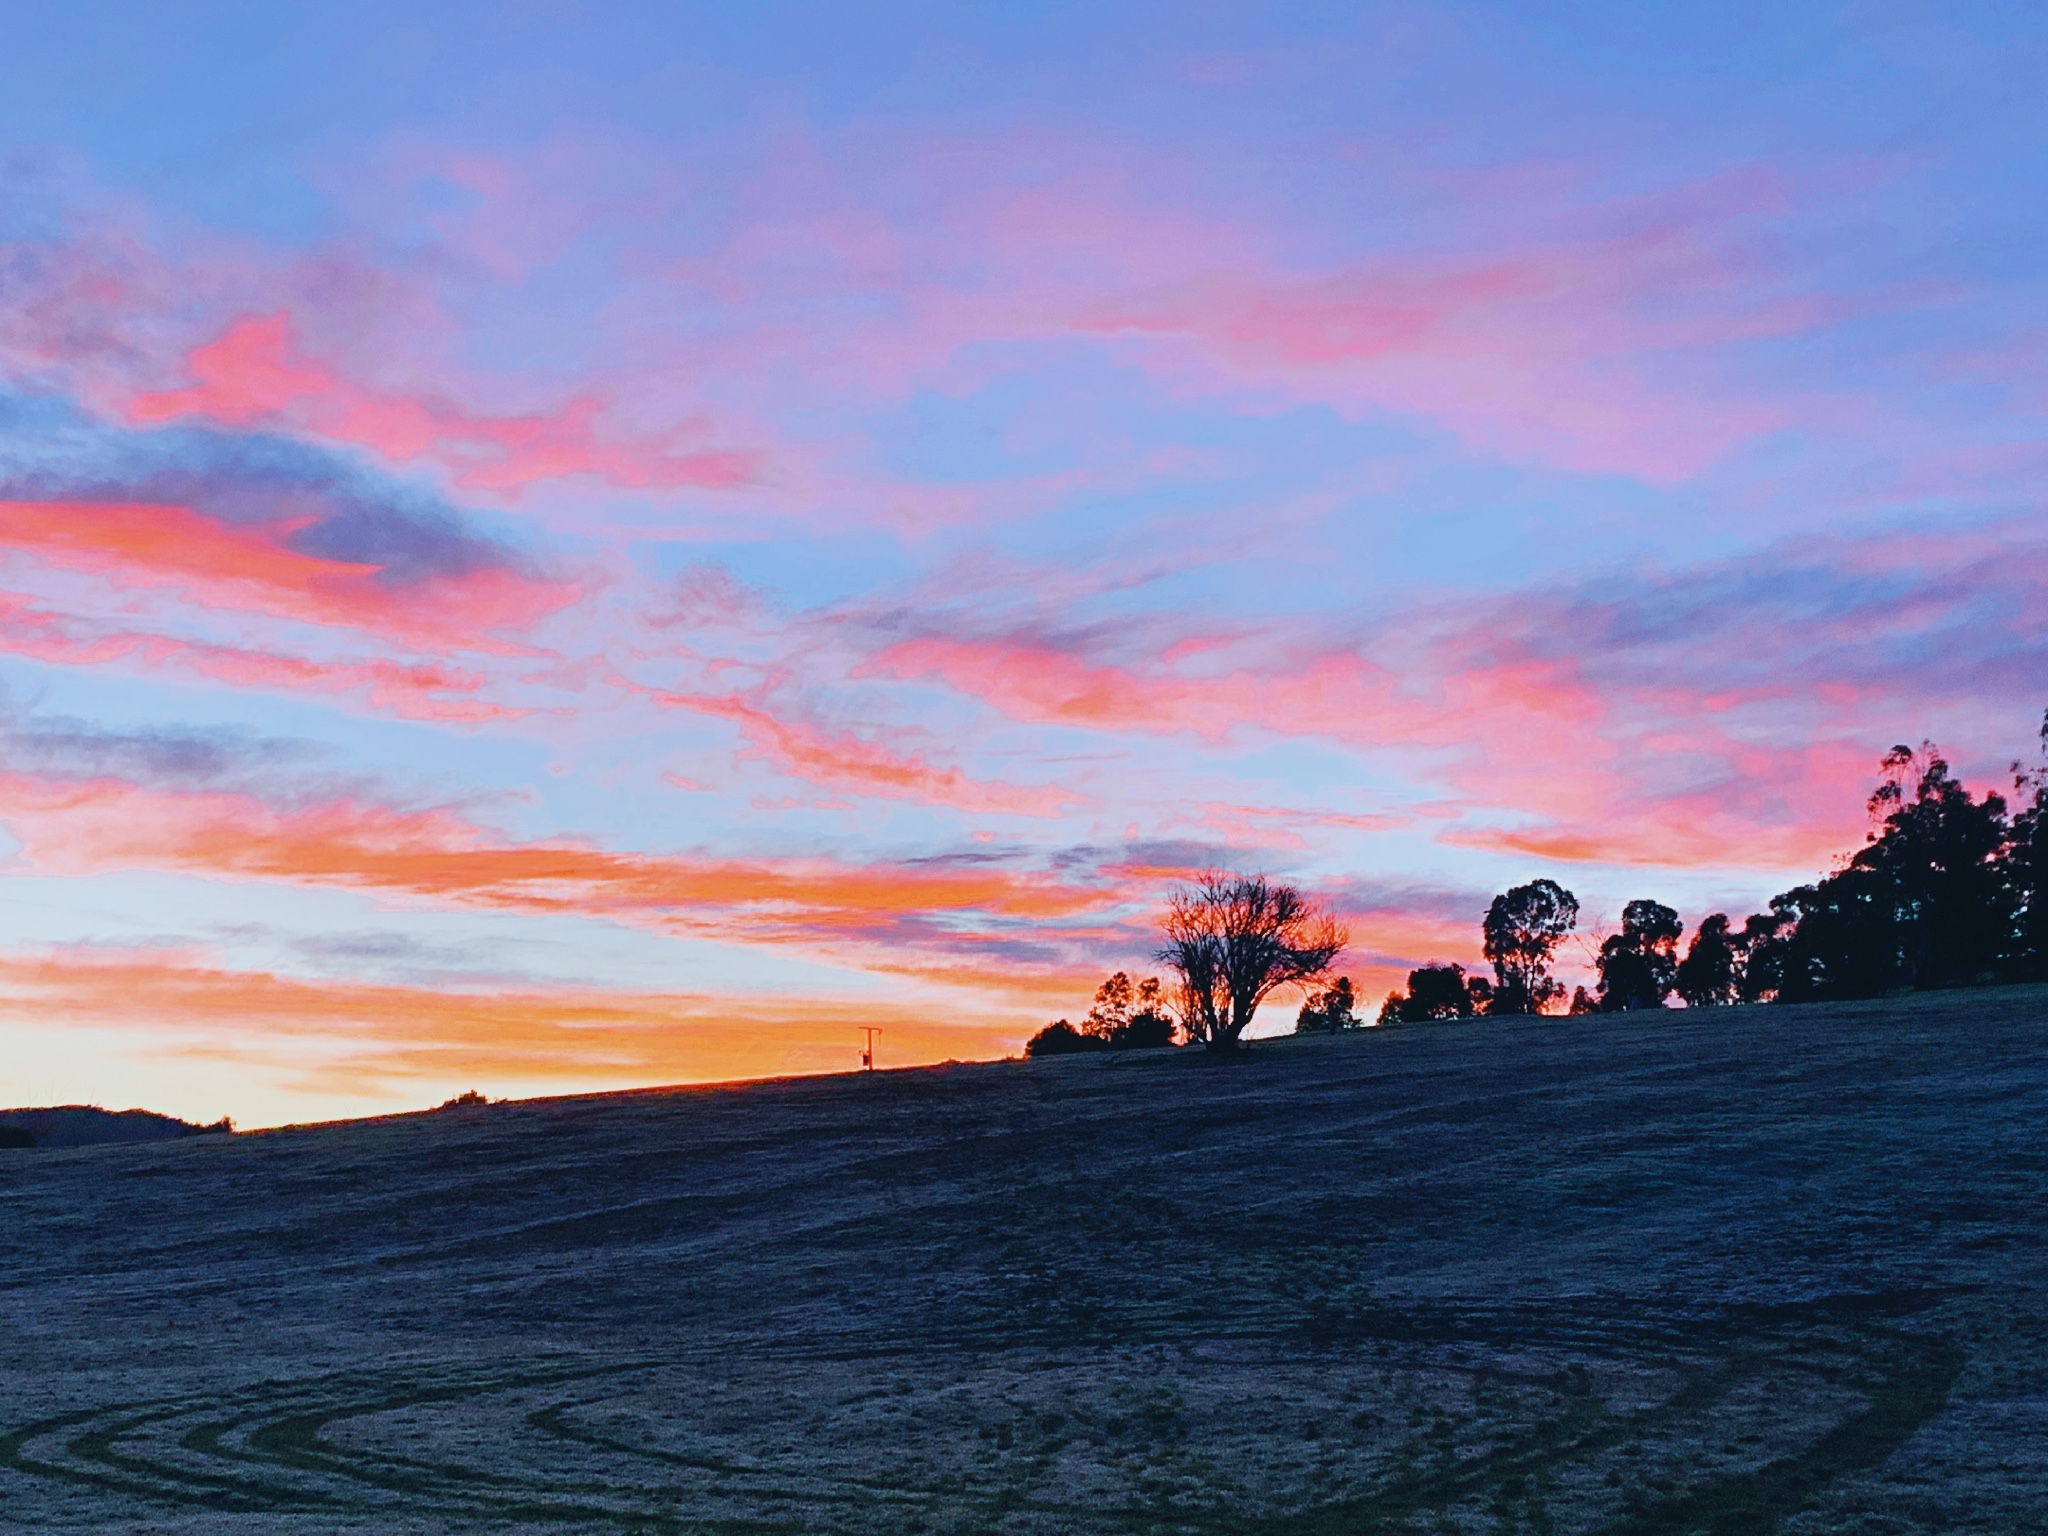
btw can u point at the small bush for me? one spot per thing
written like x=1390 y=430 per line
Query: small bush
x=16 y=1136
x=1143 y=1031
x=1060 y=1038
x=1129 y=1015
x=1438 y=992
x=1329 y=1010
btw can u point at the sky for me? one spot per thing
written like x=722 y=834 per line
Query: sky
x=553 y=546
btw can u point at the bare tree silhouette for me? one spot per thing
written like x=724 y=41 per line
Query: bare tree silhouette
x=1233 y=940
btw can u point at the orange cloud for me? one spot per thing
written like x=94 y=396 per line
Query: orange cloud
x=174 y=544
x=395 y=1038
x=846 y=762
x=1004 y=945
x=77 y=826
x=254 y=374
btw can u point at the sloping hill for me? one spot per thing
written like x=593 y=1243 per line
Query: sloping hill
x=1748 y=1271
x=87 y=1125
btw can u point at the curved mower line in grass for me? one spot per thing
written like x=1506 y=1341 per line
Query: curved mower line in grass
x=268 y=1449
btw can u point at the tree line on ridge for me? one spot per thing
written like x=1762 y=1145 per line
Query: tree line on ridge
x=1947 y=891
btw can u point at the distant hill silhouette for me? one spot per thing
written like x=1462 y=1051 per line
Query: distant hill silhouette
x=87 y=1125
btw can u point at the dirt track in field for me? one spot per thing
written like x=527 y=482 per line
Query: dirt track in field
x=1766 y=1269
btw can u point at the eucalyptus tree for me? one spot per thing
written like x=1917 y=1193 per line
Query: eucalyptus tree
x=1522 y=930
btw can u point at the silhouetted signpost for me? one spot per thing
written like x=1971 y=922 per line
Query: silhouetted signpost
x=867 y=1055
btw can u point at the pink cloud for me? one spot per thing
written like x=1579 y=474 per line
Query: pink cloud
x=1267 y=826
x=1598 y=336
x=410 y=690
x=1594 y=335
x=1546 y=756
x=840 y=760
x=254 y=374
x=1026 y=682
x=1597 y=342
x=1701 y=797
x=1563 y=355
x=1337 y=693
x=1047 y=685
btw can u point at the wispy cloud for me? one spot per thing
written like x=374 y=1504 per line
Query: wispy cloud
x=844 y=761
x=80 y=824
x=254 y=375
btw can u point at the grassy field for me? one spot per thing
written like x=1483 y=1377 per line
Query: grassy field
x=1766 y=1269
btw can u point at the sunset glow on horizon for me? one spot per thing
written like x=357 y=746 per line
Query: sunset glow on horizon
x=560 y=547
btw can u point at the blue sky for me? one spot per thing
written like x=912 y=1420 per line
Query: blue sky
x=560 y=546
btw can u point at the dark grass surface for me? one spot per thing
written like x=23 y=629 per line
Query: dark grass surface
x=1770 y=1269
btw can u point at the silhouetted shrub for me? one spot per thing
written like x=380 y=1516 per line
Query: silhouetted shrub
x=1144 y=1031
x=1060 y=1038
x=16 y=1136
x=1437 y=992
x=1329 y=1010
x=464 y=1099
x=1127 y=1017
